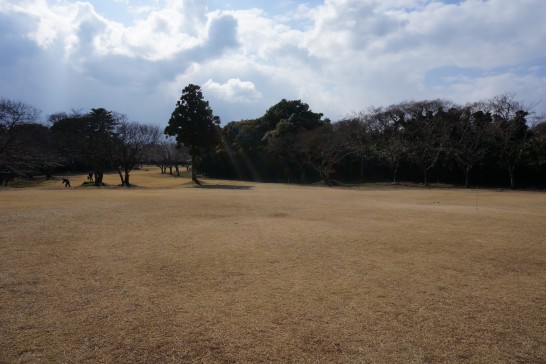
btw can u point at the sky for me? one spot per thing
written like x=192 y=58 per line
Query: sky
x=338 y=56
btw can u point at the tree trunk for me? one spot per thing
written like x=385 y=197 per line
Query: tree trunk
x=98 y=178
x=194 y=170
x=121 y=177
x=325 y=177
x=511 y=171
x=126 y=179
x=425 y=176
x=467 y=177
x=362 y=169
x=394 y=172
x=177 y=170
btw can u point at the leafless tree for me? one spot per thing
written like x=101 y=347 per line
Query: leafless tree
x=18 y=152
x=390 y=142
x=469 y=138
x=13 y=114
x=167 y=155
x=133 y=142
x=510 y=130
x=357 y=132
x=428 y=129
x=538 y=141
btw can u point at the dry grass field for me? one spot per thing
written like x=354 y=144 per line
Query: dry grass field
x=169 y=273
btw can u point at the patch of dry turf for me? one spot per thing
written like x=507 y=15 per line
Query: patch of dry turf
x=270 y=273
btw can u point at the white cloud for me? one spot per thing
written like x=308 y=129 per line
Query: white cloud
x=234 y=90
x=337 y=55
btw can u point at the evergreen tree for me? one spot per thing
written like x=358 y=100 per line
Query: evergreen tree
x=193 y=124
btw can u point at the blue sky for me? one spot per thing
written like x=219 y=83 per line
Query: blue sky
x=339 y=56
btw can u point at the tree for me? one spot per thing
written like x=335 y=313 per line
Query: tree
x=167 y=154
x=264 y=148
x=290 y=117
x=242 y=143
x=12 y=114
x=286 y=156
x=428 y=128
x=323 y=148
x=377 y=134
x=193 y=124
x=510 y=131
x=89 y=139
x=33 y=152
x=284 y=122
x=356 y=131
x=99 y=143
x=67 y=131
x=391 y=145
x=469 y=138
x=17 y=151
x=133 y=141
x=538 y=143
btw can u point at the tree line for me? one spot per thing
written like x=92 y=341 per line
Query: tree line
x=97 y=141
x=494 y=142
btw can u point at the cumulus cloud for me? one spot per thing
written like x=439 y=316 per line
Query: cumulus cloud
x=382 y=52
x=337 y=55
x=234 y=90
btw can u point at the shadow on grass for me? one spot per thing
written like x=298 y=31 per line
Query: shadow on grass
x=222 y=187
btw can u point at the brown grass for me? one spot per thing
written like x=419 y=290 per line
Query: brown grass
x=168 y=273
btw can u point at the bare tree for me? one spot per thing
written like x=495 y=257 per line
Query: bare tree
x=168 y=155
x=133 y=142
x=357 y=132
x=510 y=130
x=390 y=142
x=18 y=152
x=428 y=128
x=469 y=138
x=538 y=132
x=13 y=114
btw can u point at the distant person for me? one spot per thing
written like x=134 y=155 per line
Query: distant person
x=66 y=182
x=90 y=177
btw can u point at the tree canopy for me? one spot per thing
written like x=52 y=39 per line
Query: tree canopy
x=193 y=124
x=492 y=142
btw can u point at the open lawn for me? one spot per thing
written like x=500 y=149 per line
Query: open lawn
x=169 y=273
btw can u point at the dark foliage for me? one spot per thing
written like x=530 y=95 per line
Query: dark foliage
x=429 y=141
x=497 y=142
x=193 y=124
